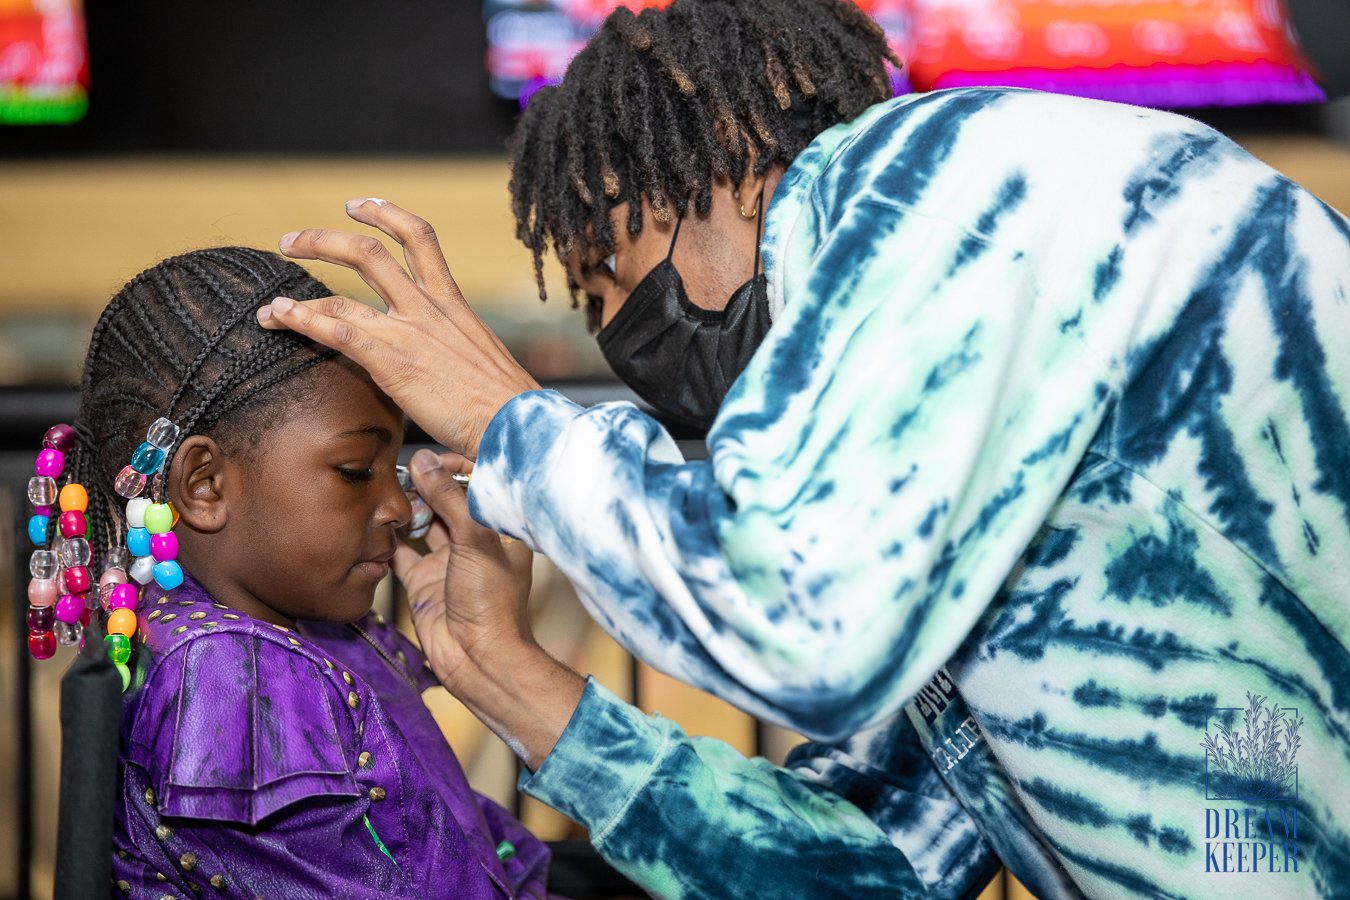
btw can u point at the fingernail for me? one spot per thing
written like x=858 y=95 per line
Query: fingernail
x=264 y=314
x=282 y=305
x=288 y=238
x=353 y=204
x=424 y=462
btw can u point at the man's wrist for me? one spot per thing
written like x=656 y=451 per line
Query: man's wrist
x=524 y=695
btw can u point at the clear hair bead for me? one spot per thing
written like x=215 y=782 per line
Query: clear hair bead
x=42 y=490
x=42 y=564
x=162 y=434
x=75 y=552
x=68 y=634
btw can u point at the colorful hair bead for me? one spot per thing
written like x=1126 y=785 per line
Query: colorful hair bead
x=42 y=490
x=129 y=483
x=164 y=546
x=50 y=462
x=123 y=596
x=119 y=648
x=59 y=437
x=40 y=618
x=122 y=621
x=111 y=577
x=147 y=458
x=136 y=508
x=77 y=579
x=142 y=571
x=69 y=608
x=168 y=574
x=138 y=542
x=73 y=496
x=60 y=595
x=41 y=645
x=73 y=524
x=158 y=518
x=42 y=591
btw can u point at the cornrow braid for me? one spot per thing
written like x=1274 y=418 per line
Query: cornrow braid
x=660 y=105
x=180 y=340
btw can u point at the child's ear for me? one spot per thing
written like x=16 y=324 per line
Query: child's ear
x=198 y=484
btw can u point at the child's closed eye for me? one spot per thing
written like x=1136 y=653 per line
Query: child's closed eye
x=356 y=476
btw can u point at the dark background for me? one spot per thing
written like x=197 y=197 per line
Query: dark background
x=304 y=76
x=358 y=76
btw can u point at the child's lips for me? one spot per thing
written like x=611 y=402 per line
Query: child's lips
x=376 y=568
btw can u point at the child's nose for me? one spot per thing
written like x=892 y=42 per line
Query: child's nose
x=395 y=509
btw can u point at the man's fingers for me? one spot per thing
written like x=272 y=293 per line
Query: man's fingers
x=335 y=322
x=425 y=259
x=421 y=248
x=433 y=476
x=364 y=254
x=405 y=558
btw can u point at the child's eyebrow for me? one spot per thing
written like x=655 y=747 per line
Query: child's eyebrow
x=379 y=432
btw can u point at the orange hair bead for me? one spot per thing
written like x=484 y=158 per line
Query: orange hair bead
x=74 y=496
x=122 y=621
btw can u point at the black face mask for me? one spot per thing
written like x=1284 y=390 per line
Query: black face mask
x=679 y=357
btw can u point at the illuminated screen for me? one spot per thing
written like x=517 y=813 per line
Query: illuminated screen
x=1164 y=53
x=44 y=62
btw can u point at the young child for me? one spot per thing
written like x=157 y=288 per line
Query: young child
x=273 y=741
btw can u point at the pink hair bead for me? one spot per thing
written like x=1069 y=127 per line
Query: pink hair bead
x=42 y=510
x=77 y=579
x=129 y=483
x=73 y=524
x=69 y=608
x=124 y=596
x=42 y=591
x=50 y=462
x=112 y=576
x=164 y=546
x=60 y=437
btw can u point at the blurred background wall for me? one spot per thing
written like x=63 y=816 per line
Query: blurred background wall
x=207 y=124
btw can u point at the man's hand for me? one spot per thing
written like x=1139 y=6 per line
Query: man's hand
x=468 y=597
x=430 y=353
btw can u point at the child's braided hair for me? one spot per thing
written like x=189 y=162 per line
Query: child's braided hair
x=180 y=340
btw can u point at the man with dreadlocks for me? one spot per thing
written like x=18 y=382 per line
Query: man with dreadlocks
x=1028 y=451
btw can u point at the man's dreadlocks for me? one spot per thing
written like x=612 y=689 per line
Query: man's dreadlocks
x=659 y=105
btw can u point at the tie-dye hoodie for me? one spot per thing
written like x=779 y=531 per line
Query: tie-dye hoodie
x=1040 y=481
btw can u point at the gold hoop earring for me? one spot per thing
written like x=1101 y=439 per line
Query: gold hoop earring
x=750 y=215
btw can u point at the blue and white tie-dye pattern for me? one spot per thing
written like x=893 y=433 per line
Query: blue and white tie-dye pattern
x=1045 y=459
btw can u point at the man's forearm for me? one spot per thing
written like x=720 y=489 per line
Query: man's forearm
x=524 y=695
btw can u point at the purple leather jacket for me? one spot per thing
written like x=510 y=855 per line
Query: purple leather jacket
x=258 y=761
